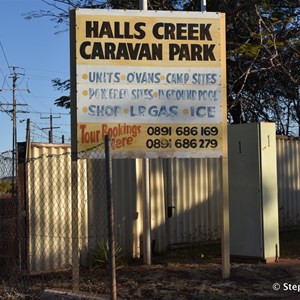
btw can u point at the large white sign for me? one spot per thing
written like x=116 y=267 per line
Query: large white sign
x=153 y=81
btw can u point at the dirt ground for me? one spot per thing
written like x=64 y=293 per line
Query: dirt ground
x=192 y=273
x=203 y=280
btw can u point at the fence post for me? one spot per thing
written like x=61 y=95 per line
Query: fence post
x=75 y=247
x=110 y=220
x=146 y=213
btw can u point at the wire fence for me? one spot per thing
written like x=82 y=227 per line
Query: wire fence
x=58 y=222
x=54 y=227
x=8 y=215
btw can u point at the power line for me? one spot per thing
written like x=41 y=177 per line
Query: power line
x=48 y=71
x=5 y=57
x=51 y=126
x=12 y=113
x=53 y=113
x=14 y=105
x=5 y=81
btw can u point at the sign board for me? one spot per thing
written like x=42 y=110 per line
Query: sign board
x=153 y=80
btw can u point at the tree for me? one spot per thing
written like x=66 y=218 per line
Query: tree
x=63 y=86
x=59 y=9
x=262 y=61
x=5 y=186
x=263 y=48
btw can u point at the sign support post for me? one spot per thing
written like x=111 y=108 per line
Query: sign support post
x=225 y=189
x=203 y=5
x=146 y=193
x=74 y=162
x=225 y=193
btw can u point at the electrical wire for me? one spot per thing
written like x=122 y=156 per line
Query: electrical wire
x=5 y=57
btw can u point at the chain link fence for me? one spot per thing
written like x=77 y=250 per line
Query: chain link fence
x=57 y=225
x=54 y=227
x=8 y=216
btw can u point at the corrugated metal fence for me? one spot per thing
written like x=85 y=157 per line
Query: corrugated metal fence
x=185 y=199
x=288 y=171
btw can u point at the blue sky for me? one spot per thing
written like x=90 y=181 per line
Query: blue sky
x=40 y=55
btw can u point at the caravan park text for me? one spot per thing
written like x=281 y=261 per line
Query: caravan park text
x=105 y=41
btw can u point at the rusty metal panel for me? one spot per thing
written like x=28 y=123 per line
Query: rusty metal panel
x=288 y=172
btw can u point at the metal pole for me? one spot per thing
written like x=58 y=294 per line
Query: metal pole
x=51 y=130
x=14 y=141
x=14 y=131
x=28 y=138
x=146 y=193
x=143 y=4
x=75 y=220
x=110 y=220
x=225 y=241
x=203 y=5
x=225 y=188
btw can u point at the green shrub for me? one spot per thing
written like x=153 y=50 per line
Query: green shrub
x=100 y=255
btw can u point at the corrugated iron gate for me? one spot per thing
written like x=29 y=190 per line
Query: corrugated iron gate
x=288 y=171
